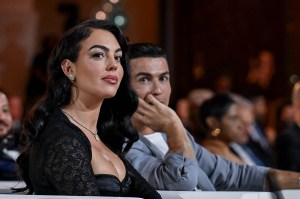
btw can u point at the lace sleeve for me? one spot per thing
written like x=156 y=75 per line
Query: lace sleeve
x=68 y=168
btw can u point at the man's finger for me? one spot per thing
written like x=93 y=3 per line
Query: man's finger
x=144 y=105
x=137 y=122
x=138 y=116
x=150 y=99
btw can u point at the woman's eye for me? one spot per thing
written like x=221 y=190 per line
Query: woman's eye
x=118 y=58
x=98 y=55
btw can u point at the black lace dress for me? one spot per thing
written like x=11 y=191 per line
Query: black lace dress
x=60 y=164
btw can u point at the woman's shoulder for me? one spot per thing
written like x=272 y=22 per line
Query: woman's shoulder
x=59 y=128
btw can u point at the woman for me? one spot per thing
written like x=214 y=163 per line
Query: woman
x=75 y=135
x=220 y=117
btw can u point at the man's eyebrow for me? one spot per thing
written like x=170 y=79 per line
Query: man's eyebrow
x=148 y=74
x=165 y=73
x=103 y=48
x=143 y=74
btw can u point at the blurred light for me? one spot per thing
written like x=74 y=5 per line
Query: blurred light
x=107 y=7
x=114 y=1
x=120 y=20
x=294 y=78
x=100 y=15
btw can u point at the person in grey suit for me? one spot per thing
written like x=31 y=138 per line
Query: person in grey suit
x=166 y=154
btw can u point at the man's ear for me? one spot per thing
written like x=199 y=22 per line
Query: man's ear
x=68 y=68
x=212 y=122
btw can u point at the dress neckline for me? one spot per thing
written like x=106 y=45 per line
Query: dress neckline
x=113 y=176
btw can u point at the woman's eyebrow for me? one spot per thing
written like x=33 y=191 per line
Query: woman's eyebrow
x=99 y=46
x=104 y=48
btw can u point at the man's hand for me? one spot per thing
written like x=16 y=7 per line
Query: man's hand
x=161 y=118
x=155 y=115
x=279 y=179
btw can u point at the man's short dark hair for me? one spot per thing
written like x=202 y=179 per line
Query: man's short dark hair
x=138 y=50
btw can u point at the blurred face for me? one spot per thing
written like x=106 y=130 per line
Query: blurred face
x=296 y=108
x=260 y=107
x=98 y=69
x=5 y=116
x=182 y=108
x=246 y=115
x=151 y=75
x=231 y=127
x=287 y=113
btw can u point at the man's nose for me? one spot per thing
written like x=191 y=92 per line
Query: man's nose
x=156 y=89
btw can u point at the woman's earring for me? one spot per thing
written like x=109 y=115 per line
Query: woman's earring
x=72 y=78
x=216 y=132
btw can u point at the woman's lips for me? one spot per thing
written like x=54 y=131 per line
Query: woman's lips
x=112 y=79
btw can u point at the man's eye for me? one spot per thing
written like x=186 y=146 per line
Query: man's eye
x=164 y=78
x=143 y=79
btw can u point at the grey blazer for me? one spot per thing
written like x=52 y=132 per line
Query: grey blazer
x=208 y=172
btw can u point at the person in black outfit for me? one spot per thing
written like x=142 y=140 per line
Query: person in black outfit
x=75 y=136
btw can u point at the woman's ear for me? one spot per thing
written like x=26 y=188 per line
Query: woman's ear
x=212 y=122
x=68 y=68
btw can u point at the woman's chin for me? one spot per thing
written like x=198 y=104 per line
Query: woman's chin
x=110 y=95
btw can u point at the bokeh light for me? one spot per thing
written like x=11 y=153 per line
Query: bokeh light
x=107 y=7
x=101 y=15
x=114 y=1
x=120 y=20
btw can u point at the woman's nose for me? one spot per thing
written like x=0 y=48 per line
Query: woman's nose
x=112 y=65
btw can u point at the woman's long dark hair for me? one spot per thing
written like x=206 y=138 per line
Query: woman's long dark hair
x=114 y=123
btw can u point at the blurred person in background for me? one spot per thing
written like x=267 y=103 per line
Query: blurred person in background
x=37 y=82
x=223 y=83
x=284 y=116
x=262 y=115
x=183 y=111
x=260 y=74
x=196 y=97
x=257 y=146
x=288 y=142
x=226 y=131
x=8 y=150
x=17 y=112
